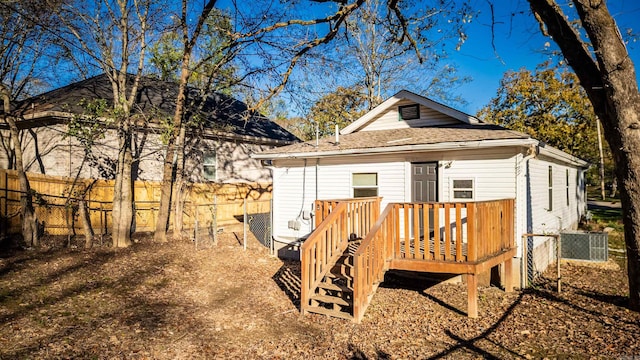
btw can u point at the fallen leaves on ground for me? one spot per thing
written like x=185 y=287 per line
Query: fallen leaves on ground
x=171 y=301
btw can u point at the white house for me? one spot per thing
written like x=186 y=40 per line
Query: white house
x=412 y=149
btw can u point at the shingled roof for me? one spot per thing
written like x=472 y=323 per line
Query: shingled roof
x=220 y=112
x=399 y=138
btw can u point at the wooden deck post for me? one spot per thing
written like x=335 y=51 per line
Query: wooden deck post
x=472 y=295
x=508 y=275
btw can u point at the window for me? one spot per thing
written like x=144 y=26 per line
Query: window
x=409 y=112
x=550 y=208
x=567 y=182
x=209 y=165
x=364 y=184
x=462 y=189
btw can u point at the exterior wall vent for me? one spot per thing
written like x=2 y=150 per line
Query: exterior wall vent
x=590 y=246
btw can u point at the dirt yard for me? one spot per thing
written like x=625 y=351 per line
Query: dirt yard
x=174 y=302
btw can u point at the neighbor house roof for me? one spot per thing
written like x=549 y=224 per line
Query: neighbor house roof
x=221 y=113
x=404 y=139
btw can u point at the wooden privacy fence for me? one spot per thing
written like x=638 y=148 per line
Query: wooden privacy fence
x=56 y=198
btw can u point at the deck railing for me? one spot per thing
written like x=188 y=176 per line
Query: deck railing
x=339 y=221
x=362 y=213
x=443 y=232
x=370 y=260
x=321 y=251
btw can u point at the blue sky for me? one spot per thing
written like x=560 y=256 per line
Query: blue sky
x=519 y=43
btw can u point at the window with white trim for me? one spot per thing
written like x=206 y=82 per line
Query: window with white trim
x=409 y=112
x=364 y=184
x=550 y=206
x=462 y=189
x=567 y=182
x=209 y=165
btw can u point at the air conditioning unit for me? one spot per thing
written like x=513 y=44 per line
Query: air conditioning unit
x=590 y=246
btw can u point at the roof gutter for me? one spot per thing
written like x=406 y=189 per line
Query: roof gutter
x=401 y=149
x=558 y=154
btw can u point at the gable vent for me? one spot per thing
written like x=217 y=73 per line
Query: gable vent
x=409 y=112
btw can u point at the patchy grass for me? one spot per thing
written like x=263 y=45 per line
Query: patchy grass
x=608 y=217
x=593 y=193
x=170 y=301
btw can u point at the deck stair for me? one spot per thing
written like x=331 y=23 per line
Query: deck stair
x=334 y=294
x=344 y=260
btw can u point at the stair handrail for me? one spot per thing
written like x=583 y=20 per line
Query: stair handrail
x=321 y=251
x=370 y=260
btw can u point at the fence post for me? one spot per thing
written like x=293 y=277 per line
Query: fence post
x=271 y=244
x=244 y=224
x=525 y=275
x=558 y=257
x=215 y=219
x=195 y=230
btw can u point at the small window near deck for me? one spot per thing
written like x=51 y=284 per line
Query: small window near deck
x=209 y=165
x=365 y=184
x=409 y=112
x=463 y=189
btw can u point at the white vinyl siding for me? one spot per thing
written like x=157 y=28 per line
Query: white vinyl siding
x=293 y=192
x=63 y=157
x=560 y=216
x=391 y=119
x=492 y=171
x=294 y=186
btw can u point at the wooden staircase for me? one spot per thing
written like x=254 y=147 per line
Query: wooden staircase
x=334 y=294
x=339 y=276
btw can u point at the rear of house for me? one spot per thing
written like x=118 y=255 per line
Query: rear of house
x=412 y=149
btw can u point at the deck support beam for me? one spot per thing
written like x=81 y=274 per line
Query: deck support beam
x=508 y=275
x=472 y=296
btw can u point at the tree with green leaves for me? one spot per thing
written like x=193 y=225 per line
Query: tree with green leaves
x=341 y=107
x=590 y=41
x=549 y=105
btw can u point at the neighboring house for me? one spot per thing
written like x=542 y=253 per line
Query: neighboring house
x=412 y=149
x=218 y=145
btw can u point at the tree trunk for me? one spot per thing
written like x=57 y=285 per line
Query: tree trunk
x=29 y=219
x=122 y=214
x=610 y=83
x=162 y=222
x=178 y=209
x=86 y=224
x=177 y=187
x=602 y=189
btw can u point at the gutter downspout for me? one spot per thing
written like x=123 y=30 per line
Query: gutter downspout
x=531 y=154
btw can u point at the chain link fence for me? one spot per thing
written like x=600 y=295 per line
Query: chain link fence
x=540 y=251
x=543 y=254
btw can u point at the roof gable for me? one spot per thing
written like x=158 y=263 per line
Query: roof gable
x=385 y=116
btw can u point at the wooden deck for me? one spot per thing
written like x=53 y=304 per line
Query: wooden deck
x=457 y=238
